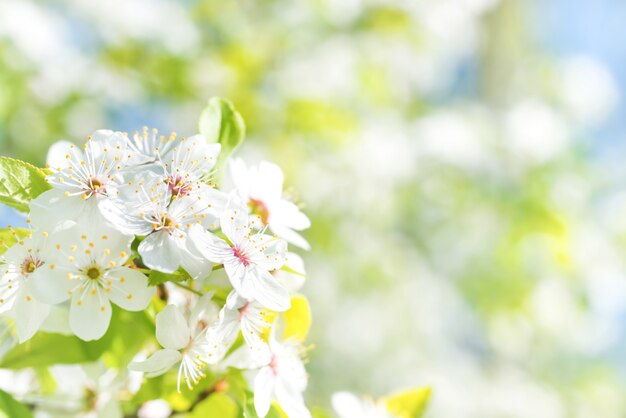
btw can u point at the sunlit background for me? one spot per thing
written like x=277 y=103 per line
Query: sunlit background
x=461 y=160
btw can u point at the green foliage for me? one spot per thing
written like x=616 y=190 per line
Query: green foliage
x=46 y=349
x=217 y=405
x=156 y=277
x=221 y=123
x=20 y=183
x=10 y=408
x=9 y=237
x=127 y=333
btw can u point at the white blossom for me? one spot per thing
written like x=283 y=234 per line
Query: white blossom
x=82 y=178
x=87 y=265
x=247 y=258
x=146 y=207
x=183 y=340
x=187 y=166
x=261 y=188
x=279 y=375
x=18 y=264
x=148 y=146
x=238 y=314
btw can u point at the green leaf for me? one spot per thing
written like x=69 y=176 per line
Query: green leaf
x=46 y=349
x=10 y=408
x=20 y=183
x=408 y=404
x=9 y=237
x=221 y=123
x=156 y=277
x=127 y=332
x=218 y=405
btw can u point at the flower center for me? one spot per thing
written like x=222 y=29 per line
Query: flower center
x=241 y=256
x=274 y=364
x=29 y=265
x=163 y=222
x=260 y=209
x=244 y=310
x=93 y=273
x=94 y=186
x=177 y=186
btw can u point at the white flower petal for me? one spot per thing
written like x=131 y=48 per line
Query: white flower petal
x=57 y=154
x=129 y=289
x=192 y=260
x=194 y=155
x=347 y=405
x=116 y=212
x=158 y=363
x=246 y=359
x=290 y=400
x=254 y=340
x=220 y=338
x=205 y=310
x=90 y=315
x=9 y=287
x=290 y=236
x=289 y=280
x=159 y=252
x=274 y=252
x=58 y=320
x=172 y=330
x=264 y=288
x=288 y=214
x=209 y=245
x=268 y=180
x=218 y=201
x=263 y=388
x=234 y=300
x=240 y=177
x=234 y=223
x=53 y=207
x=29 y=314
x=109 y=146
x=237 y=274
x=51 y=285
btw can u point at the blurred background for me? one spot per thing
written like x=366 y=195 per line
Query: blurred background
x=461 y=160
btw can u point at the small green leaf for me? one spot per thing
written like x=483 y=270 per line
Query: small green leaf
x=156 y=277
x=20 y=183
x=9 y=237
x=221 y=123
x=408 y=404
x=10 y=408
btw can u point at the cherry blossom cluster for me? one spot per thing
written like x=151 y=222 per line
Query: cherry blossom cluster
x=122 y=207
